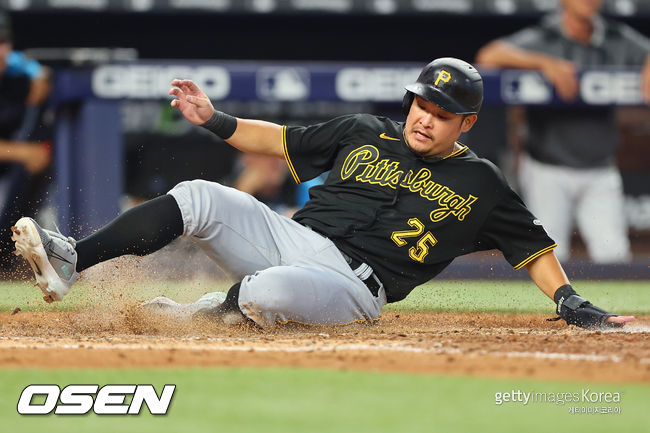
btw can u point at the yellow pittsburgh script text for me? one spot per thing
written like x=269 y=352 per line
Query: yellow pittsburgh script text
x=364 y=162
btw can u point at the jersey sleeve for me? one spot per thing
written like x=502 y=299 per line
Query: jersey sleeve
x=19 y=64
x=511 y=228
x=530 y=38
x=637 y=46
x=311 y=150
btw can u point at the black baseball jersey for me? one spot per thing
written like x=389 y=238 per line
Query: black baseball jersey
x=407 y=217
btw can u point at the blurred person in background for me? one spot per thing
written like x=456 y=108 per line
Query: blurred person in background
x=267 y=179
x=24 y=148
x=568 y=170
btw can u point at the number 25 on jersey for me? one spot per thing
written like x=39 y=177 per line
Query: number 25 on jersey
x=422 y=245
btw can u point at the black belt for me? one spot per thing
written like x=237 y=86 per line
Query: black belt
x=365 y=273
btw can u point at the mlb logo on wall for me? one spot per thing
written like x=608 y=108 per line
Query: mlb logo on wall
x=525 y=87
x=81 y=399
x=282 y=84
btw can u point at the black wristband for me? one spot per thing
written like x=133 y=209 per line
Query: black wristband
x=563 y=292
x=221 y=124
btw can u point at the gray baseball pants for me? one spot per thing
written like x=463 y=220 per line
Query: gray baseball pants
x=288 y=272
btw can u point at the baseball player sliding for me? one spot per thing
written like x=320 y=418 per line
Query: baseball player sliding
x=401 y=201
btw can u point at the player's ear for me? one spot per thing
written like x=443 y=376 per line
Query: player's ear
x=467 y=122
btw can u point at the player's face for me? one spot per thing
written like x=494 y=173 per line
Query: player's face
x=582 y=9
x=431 y=131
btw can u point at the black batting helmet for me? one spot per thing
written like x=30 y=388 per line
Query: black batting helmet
x=452 y=84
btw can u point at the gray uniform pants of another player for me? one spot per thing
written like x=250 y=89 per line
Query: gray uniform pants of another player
x=288 y=272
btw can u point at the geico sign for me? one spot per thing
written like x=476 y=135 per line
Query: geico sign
x=144 y=81
x=603 y=87
x=109 y=400
x=373 y=84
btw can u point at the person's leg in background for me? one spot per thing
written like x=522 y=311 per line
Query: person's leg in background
x=601 y=216
x=549 y=192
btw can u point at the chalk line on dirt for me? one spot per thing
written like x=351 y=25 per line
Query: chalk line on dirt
x=16 y=343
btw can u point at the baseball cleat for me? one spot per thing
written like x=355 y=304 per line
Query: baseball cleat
x=50 y=254
x=166 y=307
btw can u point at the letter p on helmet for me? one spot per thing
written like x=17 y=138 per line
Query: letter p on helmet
x=442 y=76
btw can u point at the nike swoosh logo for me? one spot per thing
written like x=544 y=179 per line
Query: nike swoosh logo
x=386 y=137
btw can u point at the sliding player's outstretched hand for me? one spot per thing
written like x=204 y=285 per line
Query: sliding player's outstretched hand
x=618 y=321
x=193 y=103
x=576 y=310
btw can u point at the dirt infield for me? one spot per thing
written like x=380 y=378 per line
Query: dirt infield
x=496 y=345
